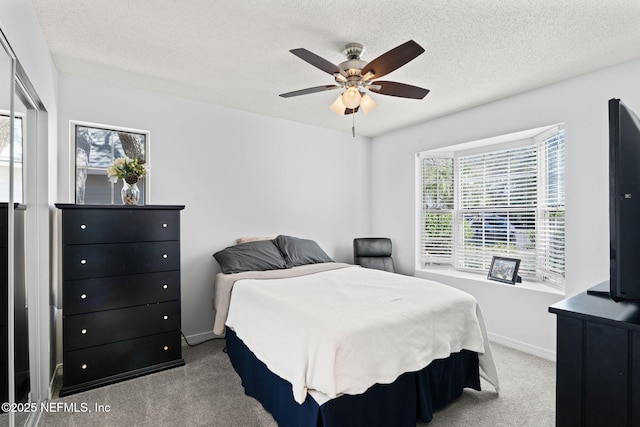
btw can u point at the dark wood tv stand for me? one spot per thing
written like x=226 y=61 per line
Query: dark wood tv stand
x=598 y=361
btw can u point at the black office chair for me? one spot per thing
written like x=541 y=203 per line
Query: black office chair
x=373 y=252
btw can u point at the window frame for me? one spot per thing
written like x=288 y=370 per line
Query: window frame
x=532 y=137
x=115 y=188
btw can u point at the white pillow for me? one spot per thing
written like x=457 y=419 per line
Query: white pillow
x=251 y=239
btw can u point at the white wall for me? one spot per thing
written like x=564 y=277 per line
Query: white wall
x=239 y=174
x=516 y=315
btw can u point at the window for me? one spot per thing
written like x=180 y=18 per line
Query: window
x=5 y=157
x=437 y=201
x=503 y=199
x=97 y=147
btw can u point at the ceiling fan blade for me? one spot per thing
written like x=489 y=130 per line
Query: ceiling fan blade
x=392 y=60
x=317 y=61
x=400 y=90
x=309 y=90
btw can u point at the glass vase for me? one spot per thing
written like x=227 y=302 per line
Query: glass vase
x=130 y=193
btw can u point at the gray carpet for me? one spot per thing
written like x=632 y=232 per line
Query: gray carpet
x=207 y=392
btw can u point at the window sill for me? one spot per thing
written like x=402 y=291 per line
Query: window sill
x=439 y=273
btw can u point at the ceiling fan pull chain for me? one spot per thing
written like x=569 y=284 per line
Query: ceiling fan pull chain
x=353 y=124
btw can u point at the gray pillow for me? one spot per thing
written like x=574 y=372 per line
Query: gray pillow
x=298 y=251
x=251 y=256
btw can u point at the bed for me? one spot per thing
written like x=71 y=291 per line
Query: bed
x=325 y=344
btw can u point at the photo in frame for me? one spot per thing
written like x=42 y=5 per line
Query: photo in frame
x=504 y=270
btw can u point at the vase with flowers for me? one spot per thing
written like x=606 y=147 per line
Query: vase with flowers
x=130 y=171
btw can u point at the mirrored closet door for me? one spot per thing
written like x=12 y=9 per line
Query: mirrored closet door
x=6 y=221
x=21 y=363
x=15 y=381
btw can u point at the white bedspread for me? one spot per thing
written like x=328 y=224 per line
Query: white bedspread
x=341 y=331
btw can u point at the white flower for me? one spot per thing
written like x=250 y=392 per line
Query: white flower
x=128 y=169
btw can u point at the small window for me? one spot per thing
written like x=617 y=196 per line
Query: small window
x=437 y=209
x=97 y=147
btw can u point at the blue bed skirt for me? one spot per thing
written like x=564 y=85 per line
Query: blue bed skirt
x=412 y=397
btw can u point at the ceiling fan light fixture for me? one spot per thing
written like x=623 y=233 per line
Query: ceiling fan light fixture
x=340 y=78
x=368 y=76
x=368 y=104
x=338 y=106
x=351 y=97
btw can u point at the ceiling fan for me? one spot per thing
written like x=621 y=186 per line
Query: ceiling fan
x=354 y=76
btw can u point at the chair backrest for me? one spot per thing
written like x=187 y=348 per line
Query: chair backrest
x=373 y=252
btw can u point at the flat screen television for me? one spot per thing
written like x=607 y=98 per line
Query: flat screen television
x=624 y=202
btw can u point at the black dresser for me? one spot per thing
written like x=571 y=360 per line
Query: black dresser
x=598 y=362
x=120 y=292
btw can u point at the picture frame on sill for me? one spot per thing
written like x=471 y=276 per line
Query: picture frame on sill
x=504 y=270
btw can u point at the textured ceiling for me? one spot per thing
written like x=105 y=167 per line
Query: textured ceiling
x=236 y=53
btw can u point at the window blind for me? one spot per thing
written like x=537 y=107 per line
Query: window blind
x=508 y=202
x=551 y=224
x=497 y=208
x=437 y=211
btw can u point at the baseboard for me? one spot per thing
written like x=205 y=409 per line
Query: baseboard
x=33 y=419
x=524 y=347
x=204 y=336
x=54 y=384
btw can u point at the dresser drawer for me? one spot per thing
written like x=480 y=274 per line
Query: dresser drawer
x=82 y=226
x=4 y=355
x=115 y=259
x=93 y=363
x=4 y=266
x=102 y=327
x=4 y=306
x=107 y=293
x=4 y=228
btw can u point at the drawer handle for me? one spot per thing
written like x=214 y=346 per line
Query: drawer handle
x=166 y=317
x=83 y=296
x=84 y=366
x=166 y=347
x=165 y=256
x=165 y=286
x=83 y=332
x=83 y=226
x=164 y=225
x=83 y=261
